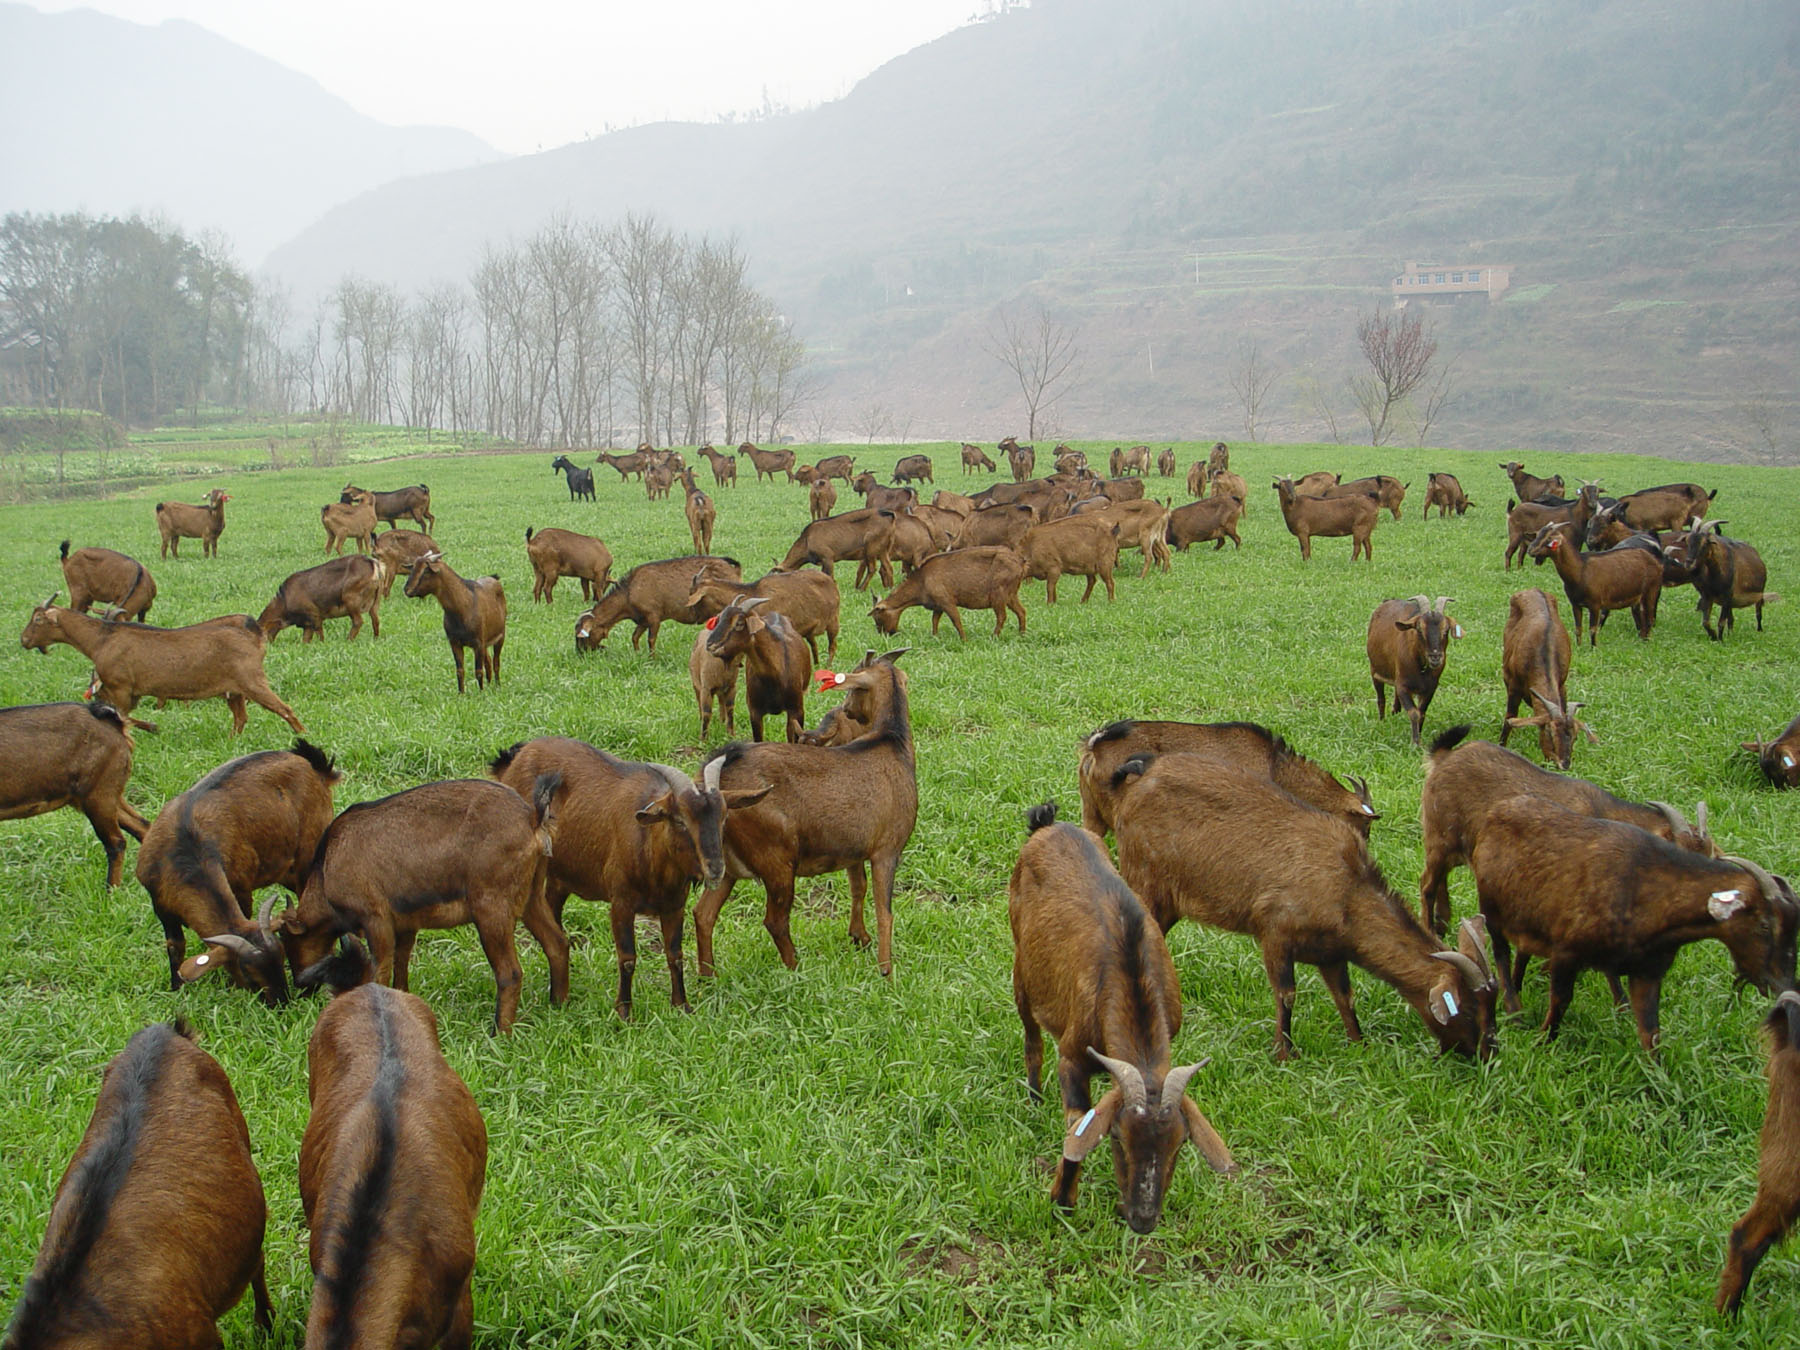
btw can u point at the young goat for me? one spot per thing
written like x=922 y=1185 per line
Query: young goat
x=1779 y=758
x=1091 y=969
x=777 y=663
x=109 y=578
x=1407 y=645
x=1777 y=1202
x=714 y=681
x=828 y=809
x=250 y=823
x=392 y=1167
x=407 y=503
x=157 y=1226
x=436 y=856
x=344 y=521
x=1530 y=487
x=70 y=754
x=1446 y=493
x=1199 y=841
x=724 y=467
x=176 y=521
x=1592 y=894
x=822 y=498
x=474 y=614
x=632 y=837
x=1534 y=663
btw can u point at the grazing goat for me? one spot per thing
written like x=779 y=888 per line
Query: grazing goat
x=724 y=467
x=176 y=521
x=1408 y=643
x=222 y=658
x=109 y=578
x=627 y=466
x=400 y=549
x=1598 y=583
x=474 y=614
x=1388 y=491
x=1462 y=783
x=821 y=498
x=1329 y=518
x=1779 y=758
x=1021 y=459
x=1534 y=663
x=392 y=1166
x=861 y=535
x=996 y=527
x=633 y=837
x=1771 y=1215
x=1586 y=893
x=157 y=1225
x=946 y=584
x=974 y=458
x=253 y=822
x=1165 y=461
x=1199 y=841
x=1077 y=546
x=70 y=754
x=1143 y=525
x=878 y=498
x=1728 y=573
x=343 y=587
x=1318 y=482
x=1664 y=508
x=407 y=503
x=581 y=481
x=1445 y=493
x=1215 y=518
x=714 y=681
x=808 y=600
x=650 y=595
x=1091 y=969
x=464 y=851
x=828 y=809
x=352 y=520
x=913 y=468
x=1530 y=487
x=768 y=463
x=556 y=554
x=1243 y=747
x=700 y=511
x=836 y=466
x=777 y=662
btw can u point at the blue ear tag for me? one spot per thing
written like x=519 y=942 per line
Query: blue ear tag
x=1450 y=1002
x=1084 y=1122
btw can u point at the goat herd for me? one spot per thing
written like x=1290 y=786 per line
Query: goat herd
x=394 y=1154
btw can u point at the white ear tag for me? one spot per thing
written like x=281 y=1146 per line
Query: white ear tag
x=1367 y=810
x=840 y=678
x=1450 y=1002
x=1084 y=1122
x=1723 y=904
x=1456 y=630
x=202 y=959
x=1787 y=760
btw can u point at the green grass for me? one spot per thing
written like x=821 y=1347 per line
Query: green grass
x=825 y=1157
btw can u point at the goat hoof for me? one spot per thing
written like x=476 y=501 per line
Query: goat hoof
x=623 y=1010
x=859 y=939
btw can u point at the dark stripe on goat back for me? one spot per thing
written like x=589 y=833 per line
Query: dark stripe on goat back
x=1785 y=1018
x=353 y=1238
x=94 y=1183
x=1129 y=935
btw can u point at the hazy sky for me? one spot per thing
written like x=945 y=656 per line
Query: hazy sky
x=531 y=74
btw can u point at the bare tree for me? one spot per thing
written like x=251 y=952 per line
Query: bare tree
x=873 y=420
x=1433 y=398
x=1251 y=379
x=1042 y=354
x=1398 y=347
x=1759 y=416
x=1320 y=402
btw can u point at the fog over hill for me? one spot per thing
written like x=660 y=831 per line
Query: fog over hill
x=111 y=117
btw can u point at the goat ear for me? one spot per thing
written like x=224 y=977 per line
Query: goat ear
x=1723 y=904
x=1587 y=731
x=1206 y=1139
x=660 y=809
x=738 y=798
x=1088 y=1130
x=1442 y=999
x=754 y=625
x=199 y=966
x=1406 y=623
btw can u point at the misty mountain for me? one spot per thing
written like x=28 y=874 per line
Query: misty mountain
x=113 y=117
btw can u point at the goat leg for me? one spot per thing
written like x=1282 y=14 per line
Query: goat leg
x=1280 y=968
x=624 y=932
x=1562 y=989
x=706 y=914
x=859 y=888
x=884 y=869
x=1646 y=1003
x=1762 y=1226
x=1337 y=980
x=671 y=936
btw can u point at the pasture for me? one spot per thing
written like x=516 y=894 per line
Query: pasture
x=826 y=1157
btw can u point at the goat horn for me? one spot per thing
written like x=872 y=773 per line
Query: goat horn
x=51 y=601
x=1130 y=1082
x=1771 y=889
x=1472 y=971
x=1443 y=600
x=231 y=942
x=1677 y=822
x=1475 y=929
x=268 y=908
x=1700 y=819
x=709 y=776
x=1422 y=601
x=1788 y=999
x=1175 y=1083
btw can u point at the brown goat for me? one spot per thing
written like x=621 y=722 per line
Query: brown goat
x=714 y=681
x=633 y=837
x=700 y=511
x=1408 y=643
x=222 y=658
x=1199 y=841
x=650 y=595
x=1334 y=518
x=1196 y=479
x=777 y=662
x=1021 y=459
x=1534 y=663
x=407 y=503
x=1771 y=1215
x=1779 y=758
x=99 y=575
x=400 y=549
x=913 y=468
x=250 y=823
x=392 y=1167
x=346 y=521
x=876 y=497
x=556 y=554
x=1220 y=458
x=1317 y=483
x=1390 y=492
x=157 y=1225
x=1664 y=508
x=975 y=458
x=1586 y=893
x=1243 y=747
x=828 y=809
x=1728 y=573
x=350 y=587
x=627 y=466
x=861 y=535
x=1091 y=969
x=1165 y=461
x=953 y=502
x=474 y=614
x=441 y=855
x=1078 y=546
x=1529 y=487
x=996 y=527
x=658 y=480
x=1142 y=524
x=768 y=463
x=1228 y=484
x=809 y=600
x=1598 y=583
x=946 y=584
x=821 y=498
x=1215 y=518
x=70 y=754
x=176 y=521
x=724 y=467
x=1462 y=783
x=836 y=466
x=1525 y=519
x=1445 y=493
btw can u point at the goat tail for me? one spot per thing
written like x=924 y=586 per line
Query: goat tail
x=1037 y=817
x=1447 y=741
x=65 y=550
x=501 y=762
x=1768 y=598
x=543 y=802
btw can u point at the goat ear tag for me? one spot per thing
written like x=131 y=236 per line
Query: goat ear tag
x=1723 y=904
x=1450 y=1002
x=1787 y=761
x=1456 y=630
x=1082 y=1124
x=202 y=959
x=1367 y=810
x=712 y=623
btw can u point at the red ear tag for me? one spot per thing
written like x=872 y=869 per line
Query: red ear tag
x=829 y=679
x=712 y=623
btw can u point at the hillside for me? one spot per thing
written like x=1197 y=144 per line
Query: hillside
x=1176 y=177
x=126 y=117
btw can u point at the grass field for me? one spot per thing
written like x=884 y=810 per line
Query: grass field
x=825 y=1157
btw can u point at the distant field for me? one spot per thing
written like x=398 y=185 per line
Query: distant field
x=827 y=1158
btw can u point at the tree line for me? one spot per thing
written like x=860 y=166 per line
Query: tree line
x=581 y=335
